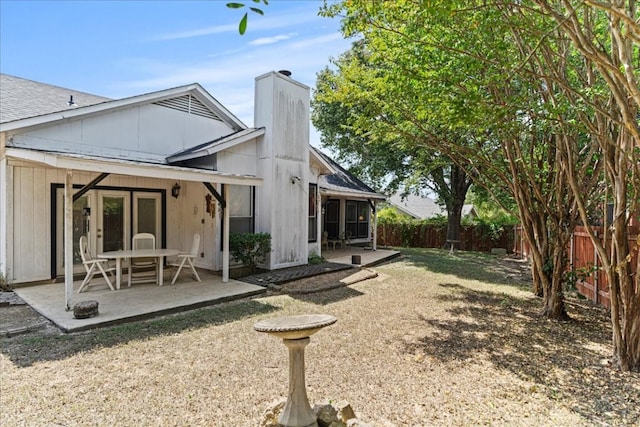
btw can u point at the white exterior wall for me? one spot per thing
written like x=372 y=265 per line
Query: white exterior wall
x=241 y=159
x=190 y=217
x=282 y=107
x=29 y=217
x=146 y=133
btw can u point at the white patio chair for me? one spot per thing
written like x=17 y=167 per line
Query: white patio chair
x=188 y=258
x=143 y=241
x=93 y=266
x=324 y=243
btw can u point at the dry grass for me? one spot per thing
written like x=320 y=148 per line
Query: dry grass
x=433 y=340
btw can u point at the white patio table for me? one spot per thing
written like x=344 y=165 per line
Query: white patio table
x=138 y=253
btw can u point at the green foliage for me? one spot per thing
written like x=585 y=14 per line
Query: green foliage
x=250 y=248
x=489 y=230
x=315 y=259
x=4 y=283
x=242 y=26
x=573 y=276
x=496 y=211
x=390 y=215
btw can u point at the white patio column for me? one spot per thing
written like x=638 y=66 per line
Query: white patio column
x=6 y=199
x=319 y=218
x=68 y=240
x=375 y=227
x=225 y=233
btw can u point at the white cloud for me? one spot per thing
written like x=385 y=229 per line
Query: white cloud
x=270 y=21
x=199 y=32
x=271 y=40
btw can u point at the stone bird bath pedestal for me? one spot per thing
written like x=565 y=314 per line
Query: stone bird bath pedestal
x=295 y=332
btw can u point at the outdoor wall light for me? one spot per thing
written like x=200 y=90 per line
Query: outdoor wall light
x=175 y=190
x=295 y=179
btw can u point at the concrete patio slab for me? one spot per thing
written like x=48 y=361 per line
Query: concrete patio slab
x=133 y=303
x=143 y=301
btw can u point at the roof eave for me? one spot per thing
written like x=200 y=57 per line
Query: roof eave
x=125 y=167
x=221 y=145
x=359 y=194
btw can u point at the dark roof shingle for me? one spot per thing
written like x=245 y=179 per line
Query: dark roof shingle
x=21 y=98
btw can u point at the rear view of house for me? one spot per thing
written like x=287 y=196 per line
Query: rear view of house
x=172 y=163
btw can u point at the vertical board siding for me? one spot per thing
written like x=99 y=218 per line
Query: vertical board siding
x=29 y=253
x=31 y=225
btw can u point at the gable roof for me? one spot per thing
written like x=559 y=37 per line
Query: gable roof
x=24 y=93
x=420 y=207
x=340 y=181
x=21 y=98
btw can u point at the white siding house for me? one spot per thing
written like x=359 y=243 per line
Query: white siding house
x=174 y=163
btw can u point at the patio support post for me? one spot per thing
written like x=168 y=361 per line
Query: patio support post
x=68 y=240
x=319 y=218
x=225 y=233
x=375 y=228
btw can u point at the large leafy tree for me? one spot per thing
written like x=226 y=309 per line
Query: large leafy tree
x=511 y=77
x=436 y=80
x=356 y=126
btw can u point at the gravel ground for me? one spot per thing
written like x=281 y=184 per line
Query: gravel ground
x=432 y=340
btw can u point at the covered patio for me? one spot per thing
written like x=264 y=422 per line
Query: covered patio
x=144 y=301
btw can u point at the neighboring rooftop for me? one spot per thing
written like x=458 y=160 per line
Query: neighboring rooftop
x=21 y=98
x=420 y=207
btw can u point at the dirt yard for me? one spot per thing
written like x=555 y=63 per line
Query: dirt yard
x=432 y=340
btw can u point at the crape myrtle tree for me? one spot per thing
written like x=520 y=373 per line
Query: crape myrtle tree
x=355 y=125
x=547 y=121
x=607 y=36
x=451 y=74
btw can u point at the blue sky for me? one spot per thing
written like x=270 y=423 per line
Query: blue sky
x=124 y=48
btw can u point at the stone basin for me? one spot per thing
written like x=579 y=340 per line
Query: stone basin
x=295 y=327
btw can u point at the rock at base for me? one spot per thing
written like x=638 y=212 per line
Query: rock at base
x=85 y=309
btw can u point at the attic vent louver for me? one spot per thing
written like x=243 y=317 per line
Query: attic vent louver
x=190 y=105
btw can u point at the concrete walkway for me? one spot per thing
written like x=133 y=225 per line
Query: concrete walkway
x=148 y=300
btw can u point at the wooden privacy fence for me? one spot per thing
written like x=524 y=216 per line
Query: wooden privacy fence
x=472 y=238
x=584 y=258
x=582 y=255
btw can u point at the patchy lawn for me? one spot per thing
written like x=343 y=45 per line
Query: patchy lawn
x=433 y=340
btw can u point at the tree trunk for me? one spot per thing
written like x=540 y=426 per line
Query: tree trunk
x=554 y=307
x=454 y=217
x=459 y=183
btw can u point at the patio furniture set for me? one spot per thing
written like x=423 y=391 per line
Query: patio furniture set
x=144 y=258
x=343 y=241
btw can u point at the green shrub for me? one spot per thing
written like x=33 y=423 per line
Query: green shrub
x=315 y=259
x=250 y=248
x=4 y=283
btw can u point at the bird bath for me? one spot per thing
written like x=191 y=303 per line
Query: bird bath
x=295 y=332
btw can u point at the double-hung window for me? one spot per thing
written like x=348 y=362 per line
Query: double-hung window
x=241 y=209
x=313 y=222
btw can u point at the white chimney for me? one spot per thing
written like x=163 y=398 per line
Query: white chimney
x=282 y=108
